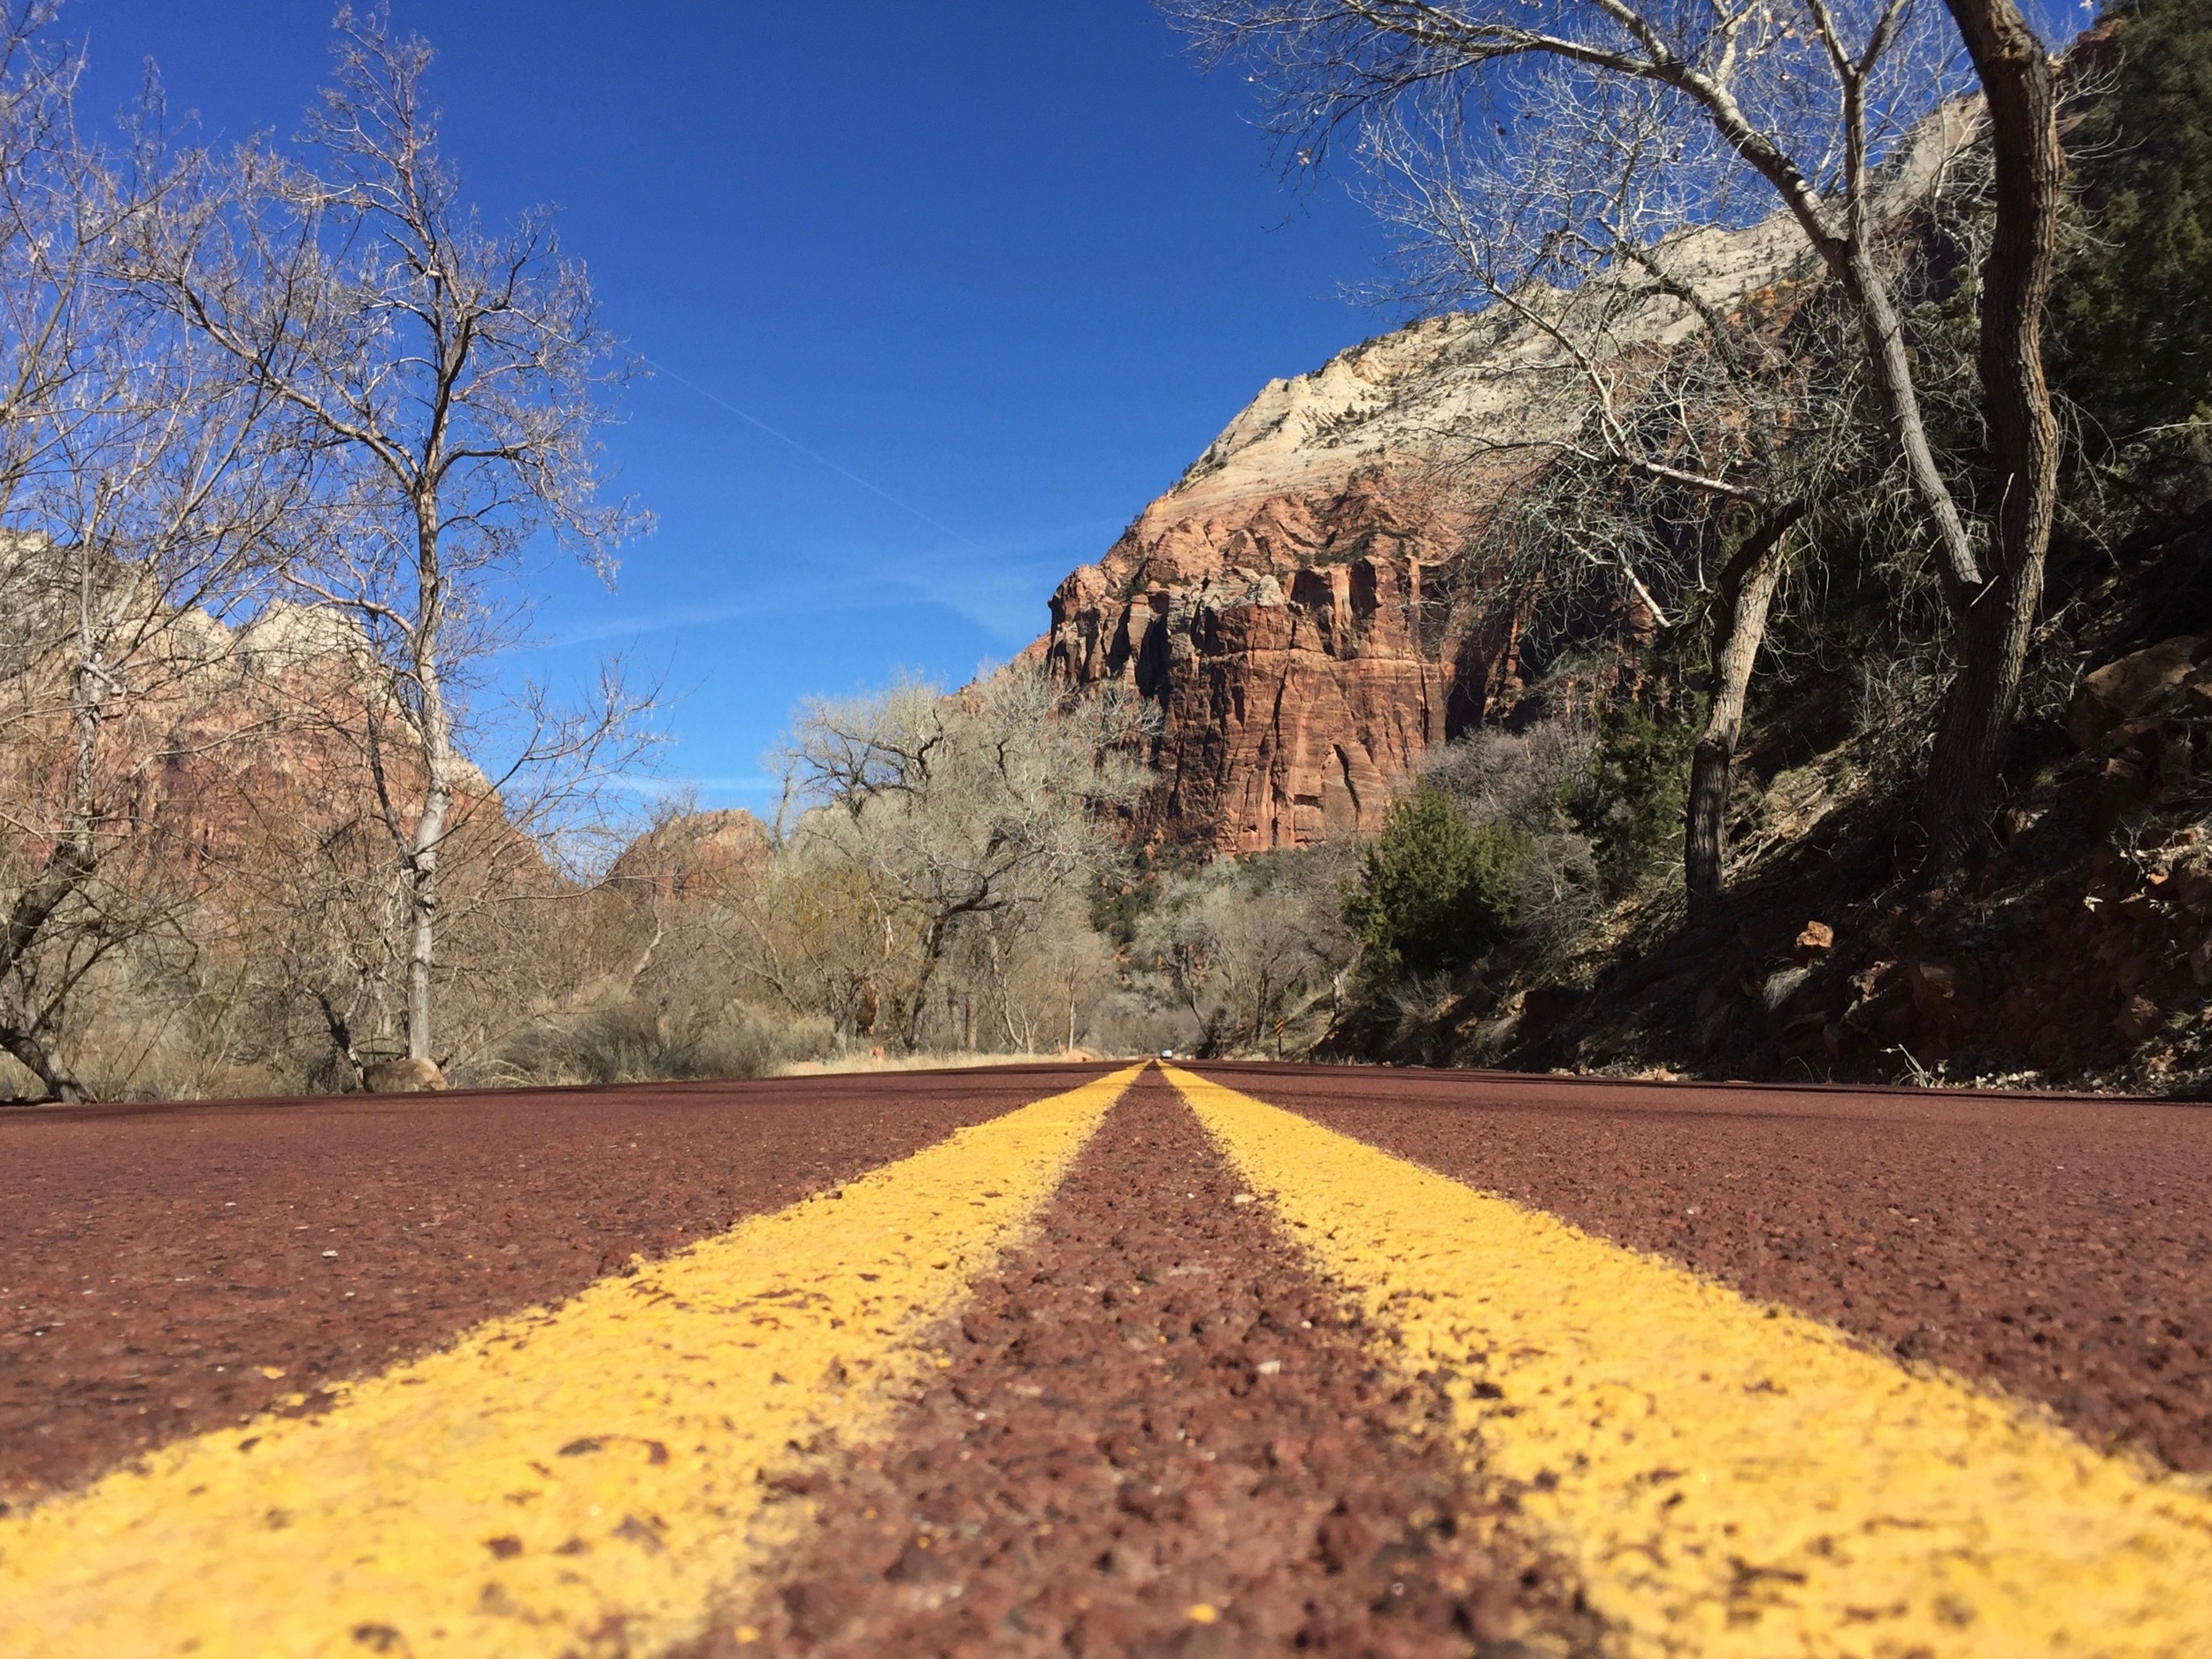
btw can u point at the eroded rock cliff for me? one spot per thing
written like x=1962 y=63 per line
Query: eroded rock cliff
x=1302 y=605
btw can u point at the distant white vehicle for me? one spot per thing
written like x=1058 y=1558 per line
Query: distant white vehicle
x=1167 y=1054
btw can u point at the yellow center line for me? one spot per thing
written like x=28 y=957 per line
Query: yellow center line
x=1732 y=1478
x=584 y=1480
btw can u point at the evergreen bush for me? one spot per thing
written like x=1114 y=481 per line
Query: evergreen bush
x=1434 y=892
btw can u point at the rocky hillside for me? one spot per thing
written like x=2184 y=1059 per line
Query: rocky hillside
x=1298 y=606
x=227 y=733
x=2077 y=951
x=695 y=853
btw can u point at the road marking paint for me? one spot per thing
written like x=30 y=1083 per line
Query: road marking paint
x=1732 y=1479
x=582 y=1480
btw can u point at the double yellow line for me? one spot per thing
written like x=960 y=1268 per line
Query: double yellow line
x=1728 y=1478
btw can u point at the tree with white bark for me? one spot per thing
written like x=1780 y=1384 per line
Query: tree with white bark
x=1801 y=99
x=455 y=379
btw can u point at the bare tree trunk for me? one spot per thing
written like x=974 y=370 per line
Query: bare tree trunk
x=341 y=1031
x=1742 y=618
x=2030 y=172
x=1884 y=332
x=422 y=901
x=65 y=870
x=1740 y=626
x=933 y=941
x=26 y=1045
x=437 y=804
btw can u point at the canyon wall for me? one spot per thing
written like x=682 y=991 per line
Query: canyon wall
x=1288 y=608
x=1304 y=607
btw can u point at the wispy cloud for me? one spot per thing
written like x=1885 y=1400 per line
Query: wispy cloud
x=702 y=615
x=842 y=471
x=1002 y=587
x=657 y=786
x=998 y=584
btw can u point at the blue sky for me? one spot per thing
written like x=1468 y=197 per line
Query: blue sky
x=999 y=269
x=1012 y=263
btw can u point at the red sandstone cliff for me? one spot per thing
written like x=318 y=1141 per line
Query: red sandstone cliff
x=234 y=748
x=1302 y=606
x=695 y=853
x=1288 y=605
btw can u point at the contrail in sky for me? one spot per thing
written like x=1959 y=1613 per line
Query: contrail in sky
x=721 y=402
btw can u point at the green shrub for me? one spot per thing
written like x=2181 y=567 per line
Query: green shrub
x=1432 y=893
x=1630 y=802
x=2131 y=309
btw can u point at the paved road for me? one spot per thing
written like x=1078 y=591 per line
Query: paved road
x=2060 y=1249
x=157 y=1263
x=1074 y=1360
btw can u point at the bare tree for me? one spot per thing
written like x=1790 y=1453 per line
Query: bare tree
x=1996 y=619
x=146 y=486
x=1254 y=949
x=1676 y=410
x=983 y=802
x=456 y=377
x=821 y=934
x=1806 y=98
x=45 y=257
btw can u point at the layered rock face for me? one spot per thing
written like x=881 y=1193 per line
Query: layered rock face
x=1303 y=607
x=1289 y=607
x=1295 y=683
x=237 y=748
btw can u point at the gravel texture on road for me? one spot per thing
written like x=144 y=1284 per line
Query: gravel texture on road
x=1159 y=1433
x=2058 y=1248
x=166 y=1269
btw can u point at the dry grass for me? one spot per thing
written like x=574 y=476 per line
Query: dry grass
x=853 y=1063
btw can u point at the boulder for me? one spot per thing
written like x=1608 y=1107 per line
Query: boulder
x=2121 y=786
x=2131 y=686
x=1544 y=1008
x=2189 y=888
x=1815 y=942
x=1813 y=1034
x=1935 y=991
x=2138 y=1019
x=402 y=1077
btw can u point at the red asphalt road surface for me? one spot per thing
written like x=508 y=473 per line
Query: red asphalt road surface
x=2058 y=1248
x=157 y=1261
